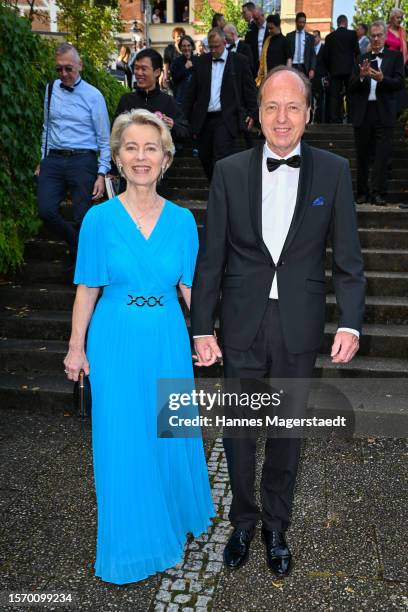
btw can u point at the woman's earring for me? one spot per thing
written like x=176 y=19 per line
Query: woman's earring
x=120 y=168
x=162 y=171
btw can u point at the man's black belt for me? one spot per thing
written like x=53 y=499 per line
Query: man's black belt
x=69 y=152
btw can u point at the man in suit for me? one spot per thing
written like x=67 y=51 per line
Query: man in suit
x=319 y=81
x=256 y=36
x=302 y=47
x=363 y=40
x=247 y=13
x=340 y=52
x=270 y=212
x=376 y=78
x=237 y=46
x=220 y=100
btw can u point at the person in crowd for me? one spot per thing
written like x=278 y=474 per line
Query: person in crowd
x=220 y=100
x=123 y=64
x=396 y=36
x=256 y=36
x=138 y=249
x=201 y=49
x=319 y=82
x=148 y=95
x=234 y=45
x=247 y=13
x=156 y=16
x=376 y=79
x=182 y=68
x=302 y=47
x=169 y=55
x=276 y=50
x=218 y=21
x=186 y=15
x=363 y=40
x=76 y=130
x=339 y=54
x=270 y=272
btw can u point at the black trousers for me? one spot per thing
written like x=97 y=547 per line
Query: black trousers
x=59 y=174
x=214 y=142
x=339 y=84
x=373 y=135
x=267 y=357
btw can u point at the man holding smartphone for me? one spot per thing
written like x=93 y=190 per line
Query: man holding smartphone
x=375 y=79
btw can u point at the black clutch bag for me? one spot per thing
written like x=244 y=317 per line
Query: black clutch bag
x=82 y=396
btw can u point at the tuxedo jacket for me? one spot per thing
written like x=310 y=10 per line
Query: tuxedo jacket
x=320 y=70
x=341 y=49
x=251 y=39
x=393 y=69
x=309 y=55
x=245 y=49
x=198 y=94
x=234 y=266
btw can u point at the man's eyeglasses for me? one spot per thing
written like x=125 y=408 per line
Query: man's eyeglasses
x=62 y=68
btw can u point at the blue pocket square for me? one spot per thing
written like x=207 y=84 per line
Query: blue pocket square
x=319 y=201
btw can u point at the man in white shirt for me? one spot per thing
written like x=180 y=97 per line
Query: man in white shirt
x=256 y=36
x=302 y=47
x=270 y=212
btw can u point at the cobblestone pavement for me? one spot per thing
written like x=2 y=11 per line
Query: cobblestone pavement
x=348 y=535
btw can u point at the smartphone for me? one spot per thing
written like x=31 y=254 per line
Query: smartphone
x=374 y=64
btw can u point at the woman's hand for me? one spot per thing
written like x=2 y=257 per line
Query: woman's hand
x=74 y=362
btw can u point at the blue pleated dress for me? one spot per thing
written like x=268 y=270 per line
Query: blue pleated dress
x=150 y=491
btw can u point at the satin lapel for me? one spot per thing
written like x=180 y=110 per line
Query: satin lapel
x=255 y=195
x=227 y=68
x=385 y=63
x=303 y=194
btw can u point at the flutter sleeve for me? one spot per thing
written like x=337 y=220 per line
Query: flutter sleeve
x=91 y=264
x=190 y=249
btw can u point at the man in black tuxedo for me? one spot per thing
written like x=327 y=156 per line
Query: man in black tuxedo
x=234 y=45
x=340 y=52
x=220 y=100
x=247 y=13
x=302 y=47
x=256 y=36
x=270 y=212
x=376 y=78
x=319 y=81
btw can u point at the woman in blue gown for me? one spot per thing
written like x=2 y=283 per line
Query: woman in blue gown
x=138 y=248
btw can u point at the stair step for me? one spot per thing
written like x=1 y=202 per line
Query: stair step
x=38 y=295
x=362 y=367
x=392 y=260
x=382 y=238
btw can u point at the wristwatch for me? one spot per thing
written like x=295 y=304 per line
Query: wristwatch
x=102 y=174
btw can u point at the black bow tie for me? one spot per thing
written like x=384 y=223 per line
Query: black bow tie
x=293 y=162
x=68 y=87
x=218 y=59
x=232 y=46
x=379 y=55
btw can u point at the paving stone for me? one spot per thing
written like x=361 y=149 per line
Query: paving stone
x=182 y=599
x=178 y=585
x=164 y=596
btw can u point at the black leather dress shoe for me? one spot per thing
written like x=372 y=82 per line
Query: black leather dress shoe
x=278 y=555
x=378 y=200
x=237 y=549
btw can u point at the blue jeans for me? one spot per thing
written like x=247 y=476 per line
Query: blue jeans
x=59 y=174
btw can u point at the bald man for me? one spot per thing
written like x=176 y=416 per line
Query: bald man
x=270 y=212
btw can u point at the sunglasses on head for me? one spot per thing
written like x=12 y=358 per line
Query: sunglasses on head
x=66 y=68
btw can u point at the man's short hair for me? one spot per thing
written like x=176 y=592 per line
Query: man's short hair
x=231 y=27
x=364 y=26
x=155 y=57
x=216 y=32
x=341 y=19
x=317 y=33
x=306 y=83
x=66 y=47
x=300 y=15
x=275 y=19
x=249 y=5
x=215 y=19
x=379 y=23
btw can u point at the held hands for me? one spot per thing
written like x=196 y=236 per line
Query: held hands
x=207 y=351
x=99 y=188
x=74 y=362
x=367 y=71
x=345 y=346
x=37 y=171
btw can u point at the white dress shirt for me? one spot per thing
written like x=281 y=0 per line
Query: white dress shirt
x=217 y=72
x=261 y=36
x=372 y=97
x=300 y=41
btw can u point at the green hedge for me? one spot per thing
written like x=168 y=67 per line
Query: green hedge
x=27 y=63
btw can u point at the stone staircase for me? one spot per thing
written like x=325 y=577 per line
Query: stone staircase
x=35 y=305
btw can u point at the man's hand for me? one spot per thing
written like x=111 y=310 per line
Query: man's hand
x=37 y=171
x=377 y=75
x=99 y=188
x=188 y=64
x=207 y=351
x=249 y=123
x=168 y=121
x=345 y=346
x=365 y=69
x=311 y=74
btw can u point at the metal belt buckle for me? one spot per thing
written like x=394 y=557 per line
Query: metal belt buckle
x=140 y=301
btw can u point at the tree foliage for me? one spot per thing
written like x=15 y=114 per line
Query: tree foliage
x=91 y=26
x=231 y=11
x=27 y=65
x=367 y=11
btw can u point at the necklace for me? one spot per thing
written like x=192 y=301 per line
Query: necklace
x=145 y=214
